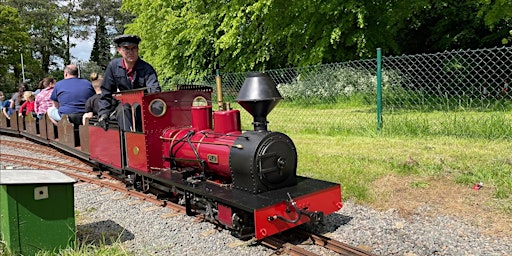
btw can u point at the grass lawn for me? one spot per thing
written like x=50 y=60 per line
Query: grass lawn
x=407 y=173
x=358 y=161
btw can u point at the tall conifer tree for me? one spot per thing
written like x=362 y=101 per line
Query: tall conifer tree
x=101 y=47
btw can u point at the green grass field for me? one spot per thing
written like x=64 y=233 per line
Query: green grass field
x=356 y=161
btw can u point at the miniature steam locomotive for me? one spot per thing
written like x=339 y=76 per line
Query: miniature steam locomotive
x=182 y=150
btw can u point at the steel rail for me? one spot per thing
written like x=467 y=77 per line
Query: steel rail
x=333 y=245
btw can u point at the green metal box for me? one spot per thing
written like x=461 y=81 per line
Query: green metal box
x=37 y=210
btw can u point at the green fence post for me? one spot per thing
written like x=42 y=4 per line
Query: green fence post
x=379 y=90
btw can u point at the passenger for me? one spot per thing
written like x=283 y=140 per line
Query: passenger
x=27 y=108
x=40 y=86
x=91 y=106
x=69 y=96
x=17 y=97
x=7 y=110
x=125 y=73
x=43 y=101
x=95 y=76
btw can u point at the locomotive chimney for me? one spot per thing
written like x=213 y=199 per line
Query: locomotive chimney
x=259 y=95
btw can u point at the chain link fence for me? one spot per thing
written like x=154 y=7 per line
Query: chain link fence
x=465 y=93
x=450 y=81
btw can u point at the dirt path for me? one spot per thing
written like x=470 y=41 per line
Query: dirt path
x=433 y=196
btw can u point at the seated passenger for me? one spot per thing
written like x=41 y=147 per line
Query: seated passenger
x=7 y=110
x=69 y=96
x=39 y=88
x=27 y=108
x=17 y=97
x=43 y=101
x=91 y=106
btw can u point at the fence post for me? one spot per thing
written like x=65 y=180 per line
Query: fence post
x=379 y=90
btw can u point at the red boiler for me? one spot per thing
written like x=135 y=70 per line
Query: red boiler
x=201 y=147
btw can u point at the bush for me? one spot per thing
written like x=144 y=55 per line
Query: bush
x=328 y=85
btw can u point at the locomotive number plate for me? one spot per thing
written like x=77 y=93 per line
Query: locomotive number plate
x=214 y=159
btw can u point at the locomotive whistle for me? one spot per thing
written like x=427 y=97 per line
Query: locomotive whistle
x=218 y=82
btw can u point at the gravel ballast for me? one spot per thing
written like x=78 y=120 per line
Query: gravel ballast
x=154 y=230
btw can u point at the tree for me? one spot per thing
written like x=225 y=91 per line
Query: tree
x=191 y=38
x=105 y=19
x=13 y=37
x=101 y=48
x=178 y=35
x=194 y=37
x=445 y=25
x=52 y=24
x=46 y=29
x=498 y=17
x=72 y=28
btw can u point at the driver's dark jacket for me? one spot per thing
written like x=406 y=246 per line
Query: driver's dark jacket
x=116 y=80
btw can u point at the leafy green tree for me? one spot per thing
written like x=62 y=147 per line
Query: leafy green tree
x=101 y=18
x=13 y=37
x=105 y=19
x=192 y=38
x=177 y=37
x=46 y=27
x=446 y=25
x=498 y=16
x=52 y=24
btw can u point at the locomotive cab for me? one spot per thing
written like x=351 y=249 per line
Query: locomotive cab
x=139 y=150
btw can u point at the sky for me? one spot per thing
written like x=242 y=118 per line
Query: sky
x=82 y=50
x=80 y=53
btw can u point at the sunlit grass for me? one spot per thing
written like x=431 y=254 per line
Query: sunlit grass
x=357 y=161
x=362 y=121
x=82 y=249
x=115 y=249
x=485 y=125
x=108 y=244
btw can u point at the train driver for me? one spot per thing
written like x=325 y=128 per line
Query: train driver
x=125 y=73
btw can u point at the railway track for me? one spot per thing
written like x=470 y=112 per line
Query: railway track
x=83 y=173
x=292 y=242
